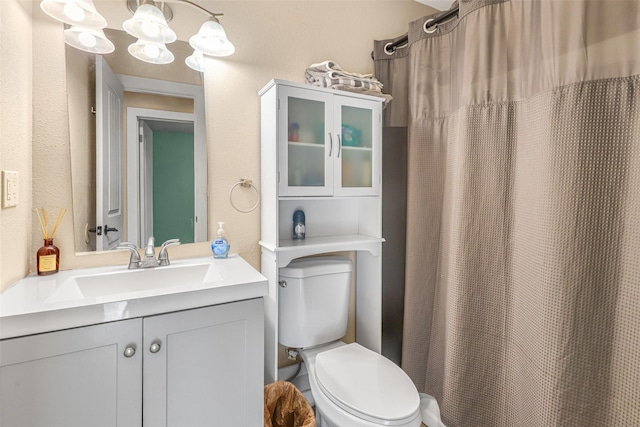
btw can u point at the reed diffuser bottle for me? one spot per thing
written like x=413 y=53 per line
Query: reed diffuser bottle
x=48 y=256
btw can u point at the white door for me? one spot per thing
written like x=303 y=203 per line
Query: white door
x=205 y=367
x=77 y=377
x=109 y=157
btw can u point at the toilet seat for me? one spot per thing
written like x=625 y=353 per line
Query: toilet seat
x=367 y=385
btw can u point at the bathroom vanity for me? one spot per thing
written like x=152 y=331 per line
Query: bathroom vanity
x=171 y=346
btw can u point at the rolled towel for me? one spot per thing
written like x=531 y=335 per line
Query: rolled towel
x=358 y=83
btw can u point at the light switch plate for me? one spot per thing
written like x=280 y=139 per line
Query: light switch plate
x=9 y=189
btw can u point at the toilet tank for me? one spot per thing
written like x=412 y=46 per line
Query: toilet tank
x=314 y=305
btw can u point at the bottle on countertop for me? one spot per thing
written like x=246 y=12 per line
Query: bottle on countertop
x=220 y=245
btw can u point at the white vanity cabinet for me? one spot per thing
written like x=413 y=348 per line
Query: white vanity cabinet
x=197 y=367
x=321 y=153
x=207 y=369
x=328 y=143
x=75 y=377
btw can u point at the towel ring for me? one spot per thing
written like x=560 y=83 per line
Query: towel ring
x=246 y=183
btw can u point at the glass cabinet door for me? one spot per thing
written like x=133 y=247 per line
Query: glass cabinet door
x=358 y=171
x=305 y=138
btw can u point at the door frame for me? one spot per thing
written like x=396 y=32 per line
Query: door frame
x=179 y=90
x=134 y=161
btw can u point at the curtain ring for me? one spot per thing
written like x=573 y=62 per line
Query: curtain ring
x=426 y=26
x=246 y=183
x=389 y=51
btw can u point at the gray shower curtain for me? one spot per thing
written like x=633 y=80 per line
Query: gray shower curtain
x=522 y=299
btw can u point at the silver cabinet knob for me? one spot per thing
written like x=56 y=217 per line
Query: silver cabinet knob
x=155 y=347
x=129 y=351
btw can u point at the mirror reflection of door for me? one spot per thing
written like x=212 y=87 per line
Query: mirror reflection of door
x=109 y=158
x=167 y=205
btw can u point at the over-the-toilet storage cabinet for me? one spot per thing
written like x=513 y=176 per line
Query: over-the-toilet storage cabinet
x=198 y=367
x=321 y=152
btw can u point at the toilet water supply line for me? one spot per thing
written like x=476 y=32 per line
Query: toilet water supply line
x=292 y=354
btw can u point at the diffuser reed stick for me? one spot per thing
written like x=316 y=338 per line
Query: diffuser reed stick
x=61 y=215
x=43 y=219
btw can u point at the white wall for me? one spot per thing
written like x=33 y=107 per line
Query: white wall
x=273 y=39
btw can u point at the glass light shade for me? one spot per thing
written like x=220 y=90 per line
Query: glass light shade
x=74 y=12
x=195 y=61
x=212 y=40
x=88 y=39
x=148 y=24
x=151 y=52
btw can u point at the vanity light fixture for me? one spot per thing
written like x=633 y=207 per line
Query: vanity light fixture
x=212 y=40
x=82 y=13
x=148 y=25
x=151 y=52
x=90 y=40
x=86 y=24
x=195 y=61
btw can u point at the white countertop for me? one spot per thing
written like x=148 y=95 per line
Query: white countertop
x=39 y=304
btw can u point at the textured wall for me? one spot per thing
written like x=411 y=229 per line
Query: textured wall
x=15 y=136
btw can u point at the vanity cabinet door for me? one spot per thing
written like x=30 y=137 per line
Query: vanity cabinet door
x=89 y=376
x=204 y=367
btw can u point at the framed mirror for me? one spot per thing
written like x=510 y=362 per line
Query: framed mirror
x=138 y=147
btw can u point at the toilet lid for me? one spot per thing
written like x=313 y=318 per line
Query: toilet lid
x=366 y=384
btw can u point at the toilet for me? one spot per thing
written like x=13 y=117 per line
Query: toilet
x=351 y=385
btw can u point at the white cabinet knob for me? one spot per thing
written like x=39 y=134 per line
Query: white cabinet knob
x=129 y=351
x=155 y=347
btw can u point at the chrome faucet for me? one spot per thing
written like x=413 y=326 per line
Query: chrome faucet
x=149 y=255
x=149 y=260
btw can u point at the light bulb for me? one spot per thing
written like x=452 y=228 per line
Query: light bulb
x=73 y=11
x=150 y=29
x=87 y=40
x=151 y=50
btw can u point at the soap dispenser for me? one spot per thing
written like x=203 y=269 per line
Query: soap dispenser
x=220 y=245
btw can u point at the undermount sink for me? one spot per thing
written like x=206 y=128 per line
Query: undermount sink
x=145 y=279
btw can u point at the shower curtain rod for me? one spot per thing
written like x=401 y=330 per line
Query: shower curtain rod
x=390 y=48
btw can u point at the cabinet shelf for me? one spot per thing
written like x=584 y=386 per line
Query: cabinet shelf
x=289 y=249
x=306 y=144
x=314 y=145
x=354 y=148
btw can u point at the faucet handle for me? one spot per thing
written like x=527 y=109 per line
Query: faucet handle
x=163 y=256
x=134 y=260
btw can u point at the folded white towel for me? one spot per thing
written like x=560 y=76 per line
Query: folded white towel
x=331 y=66
x=330 y=74
x=387 y=98
x=326 y=81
